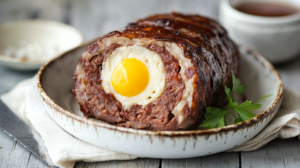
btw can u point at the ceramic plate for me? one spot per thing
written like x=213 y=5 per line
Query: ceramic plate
x=55 y=82
x=36 y=32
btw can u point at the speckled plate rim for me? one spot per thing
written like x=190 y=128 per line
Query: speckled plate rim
x=19 y=60
x=8 y=59
x=257 y=119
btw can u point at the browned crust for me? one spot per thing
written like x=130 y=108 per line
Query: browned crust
x=154 y=116
x=261 y=118
x=214 y=56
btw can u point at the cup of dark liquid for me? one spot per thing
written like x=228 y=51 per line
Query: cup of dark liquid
x=272 y=28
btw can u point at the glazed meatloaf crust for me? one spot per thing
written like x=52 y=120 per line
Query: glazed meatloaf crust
x=197 y=56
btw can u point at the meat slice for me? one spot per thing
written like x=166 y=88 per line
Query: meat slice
x=198 y=58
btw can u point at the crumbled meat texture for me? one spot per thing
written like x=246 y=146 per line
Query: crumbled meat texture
x=214 y=57
x=154 y=116
x=99 y=104
x=157 y=114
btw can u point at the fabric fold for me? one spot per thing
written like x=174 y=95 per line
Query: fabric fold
x=64 y=149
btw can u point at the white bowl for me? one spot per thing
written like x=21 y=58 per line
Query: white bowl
x=36 y=32
x=55 y=83
x=276 y=38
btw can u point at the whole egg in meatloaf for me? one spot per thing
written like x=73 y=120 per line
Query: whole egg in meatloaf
x=134 y=75
x=160 y=73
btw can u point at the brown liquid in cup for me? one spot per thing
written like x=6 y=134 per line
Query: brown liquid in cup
x=267 y=9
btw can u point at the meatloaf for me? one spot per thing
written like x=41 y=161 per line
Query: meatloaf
x=189 y=59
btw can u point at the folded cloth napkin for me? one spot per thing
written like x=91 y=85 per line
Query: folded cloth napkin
x=64 y=149
x=285 y=124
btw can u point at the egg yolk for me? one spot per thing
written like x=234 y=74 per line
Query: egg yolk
x=130 y=77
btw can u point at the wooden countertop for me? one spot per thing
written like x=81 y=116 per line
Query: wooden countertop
x=94 y=18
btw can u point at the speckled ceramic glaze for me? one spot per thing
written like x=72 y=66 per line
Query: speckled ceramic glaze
x=55 y=85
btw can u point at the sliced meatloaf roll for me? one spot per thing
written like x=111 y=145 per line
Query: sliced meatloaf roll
x=160 y=73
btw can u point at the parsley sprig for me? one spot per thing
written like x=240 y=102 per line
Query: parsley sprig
x=216 y=116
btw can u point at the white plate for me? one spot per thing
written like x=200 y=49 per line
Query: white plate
x=55 y=82
x=35 y=31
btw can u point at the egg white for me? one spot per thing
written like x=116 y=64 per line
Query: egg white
x=152 y=61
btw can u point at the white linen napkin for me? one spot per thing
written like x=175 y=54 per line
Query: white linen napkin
x=64 y=149
x=285 y=124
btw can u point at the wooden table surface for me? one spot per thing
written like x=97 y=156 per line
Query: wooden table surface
x=96 y=17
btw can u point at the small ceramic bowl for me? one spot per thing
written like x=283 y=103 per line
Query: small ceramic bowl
x=55 y=84
x=28 y=44
x=276 y=38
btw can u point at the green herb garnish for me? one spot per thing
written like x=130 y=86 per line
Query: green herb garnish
x=216 y=116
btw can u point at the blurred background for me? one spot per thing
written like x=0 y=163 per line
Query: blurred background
x=97 y=17
x=94 y=18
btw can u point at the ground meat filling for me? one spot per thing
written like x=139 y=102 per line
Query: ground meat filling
x=154 y=116
x=102 y=105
